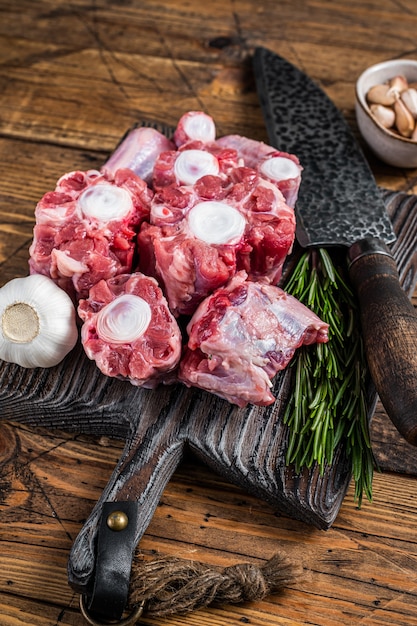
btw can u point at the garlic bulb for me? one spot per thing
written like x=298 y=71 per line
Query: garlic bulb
x=37 y=322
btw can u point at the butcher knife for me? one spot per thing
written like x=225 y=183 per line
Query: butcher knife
x=340 y=204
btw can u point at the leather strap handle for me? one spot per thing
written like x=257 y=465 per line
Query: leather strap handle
x=116 y=542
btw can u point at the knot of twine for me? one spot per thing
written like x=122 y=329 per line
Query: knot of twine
x=172 y=585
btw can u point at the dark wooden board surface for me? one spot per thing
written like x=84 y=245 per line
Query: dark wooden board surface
x=73 y=78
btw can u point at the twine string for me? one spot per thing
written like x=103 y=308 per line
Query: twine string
x=171 y=585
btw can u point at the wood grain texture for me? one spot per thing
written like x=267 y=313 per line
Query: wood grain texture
x=362 y=568
x=73 y=78
x=389 y=327
x=246 y=446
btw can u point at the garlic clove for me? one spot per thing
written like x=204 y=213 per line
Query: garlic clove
x=384 y=115
x=404 y=121
x=409 y=97
x=398 y=84
x=381 y=94
x=37 y=322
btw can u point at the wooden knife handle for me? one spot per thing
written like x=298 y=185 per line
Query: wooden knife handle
x=389 y=328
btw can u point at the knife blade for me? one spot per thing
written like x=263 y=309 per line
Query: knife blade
x=340 y=204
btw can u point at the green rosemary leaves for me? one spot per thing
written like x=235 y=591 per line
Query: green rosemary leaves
x=328 y=404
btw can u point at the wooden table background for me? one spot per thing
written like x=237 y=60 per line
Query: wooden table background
x=74 y=76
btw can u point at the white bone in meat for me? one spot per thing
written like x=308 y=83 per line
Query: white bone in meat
x=86 y=228
x=281 y=168
x=183 y=246
x=129 y=330
x=138 y=151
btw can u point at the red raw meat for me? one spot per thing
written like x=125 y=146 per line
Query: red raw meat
x=177 y=247
x=281 y=168
x=85 y=230
x=241 y=336
x=187 y=268
x=214 y=221
x=136 y=302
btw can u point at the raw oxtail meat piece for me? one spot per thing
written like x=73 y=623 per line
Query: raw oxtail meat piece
x=281 y=168
x=194 y=126
x=241 y=336
x=211 y=217
x=184 y=262
x=86 y=229
x=129 y=331
x=138 y=151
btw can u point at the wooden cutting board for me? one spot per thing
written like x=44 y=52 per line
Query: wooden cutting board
x=245 y=446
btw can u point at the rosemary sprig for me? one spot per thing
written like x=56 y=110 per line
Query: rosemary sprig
x=329 y=400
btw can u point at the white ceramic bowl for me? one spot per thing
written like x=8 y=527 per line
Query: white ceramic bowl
x=388 y=146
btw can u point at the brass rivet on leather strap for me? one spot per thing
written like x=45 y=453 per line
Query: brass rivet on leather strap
x=117 y=520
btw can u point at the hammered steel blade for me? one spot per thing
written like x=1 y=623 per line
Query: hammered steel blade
x=339 y=202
